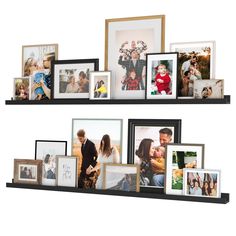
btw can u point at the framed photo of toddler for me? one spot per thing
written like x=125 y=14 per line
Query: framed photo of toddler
x=21 y=88
x=146 y=141
x=127 y=40
x=161 y=75
x=100 y=85
x=179 y=156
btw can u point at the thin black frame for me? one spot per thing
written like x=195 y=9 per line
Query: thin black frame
x=132 y=123
x=176 y=82
x=49 y=141
x=95 y=61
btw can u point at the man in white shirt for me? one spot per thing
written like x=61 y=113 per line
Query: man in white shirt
x=186 y=65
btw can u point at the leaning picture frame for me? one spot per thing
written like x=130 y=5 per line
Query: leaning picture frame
x=161 y=75
x=196 y=62
x=47 y=151
x=21 y=88
x=66 y=171
x=27 y=171
x=177 y=157
x=71 y=78
x=37 y=64
x=127 y=40
x=146 y=146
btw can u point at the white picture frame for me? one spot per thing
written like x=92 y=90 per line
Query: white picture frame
x=98 y=79
x=178 y=157
x=213 y=188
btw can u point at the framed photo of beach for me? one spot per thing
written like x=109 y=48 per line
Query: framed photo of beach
x=127 y=41
x=147 y=139
x=179 y=156
x=100 y=85
x=196 y=62
x=71 y=78
x=161 y=79
x=37 y=63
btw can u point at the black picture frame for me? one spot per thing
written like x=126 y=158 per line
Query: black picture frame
x=50 y=177
x=174 y=73
x=93 y=61
x=133 y=123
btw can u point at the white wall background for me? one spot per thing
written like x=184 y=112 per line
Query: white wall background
x=78 y=28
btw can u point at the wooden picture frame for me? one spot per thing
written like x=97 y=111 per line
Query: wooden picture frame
x=27 y=171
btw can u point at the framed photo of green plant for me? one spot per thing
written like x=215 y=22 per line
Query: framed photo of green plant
x=177 y=157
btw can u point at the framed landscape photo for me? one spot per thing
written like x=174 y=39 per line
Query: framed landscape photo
x=196 y=62
x=208 y=89
x=127 y=40
x=146 y=147
x=47 y=150
x=161 y=75
x=71 y=78
x=94 y=143
x=21 y=88
x=121 y=177
x=27 y=171
x=100 y=85
x=37 y=63
x=178 y=157
x=66 y=171
x=202 y=183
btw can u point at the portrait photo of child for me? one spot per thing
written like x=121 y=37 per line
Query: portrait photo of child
x=161 y=75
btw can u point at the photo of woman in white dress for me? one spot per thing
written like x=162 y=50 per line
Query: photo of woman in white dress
x=108 y=153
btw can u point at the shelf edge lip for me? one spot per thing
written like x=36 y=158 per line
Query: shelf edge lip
x=223 y=200
x=225 y=100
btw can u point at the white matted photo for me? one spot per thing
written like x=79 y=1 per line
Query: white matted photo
x=207 y=89
x=47 y=150
x=126 y=44
x=66 y=171
x=100 y=85
x=178 y=157
x=122 y=177
x=21 y=88
x=71 y=77
x=196 y=62
x=161 y=79
x=202 y=183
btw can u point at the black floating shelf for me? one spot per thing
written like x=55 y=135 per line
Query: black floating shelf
x=223 y=200
x=225 y=100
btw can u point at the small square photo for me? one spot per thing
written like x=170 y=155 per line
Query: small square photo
x=21 y=88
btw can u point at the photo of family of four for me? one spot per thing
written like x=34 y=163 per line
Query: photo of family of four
x=93 y=160
x=134 y=67
x=152 y=159
x=194 y=65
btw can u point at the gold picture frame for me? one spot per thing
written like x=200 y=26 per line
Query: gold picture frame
x=133 y=170
x=143 y=34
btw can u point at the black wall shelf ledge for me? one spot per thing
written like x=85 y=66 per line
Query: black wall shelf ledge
x=223 y=200
x=225 y=100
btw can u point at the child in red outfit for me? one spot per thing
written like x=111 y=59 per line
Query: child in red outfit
x=162 y=80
